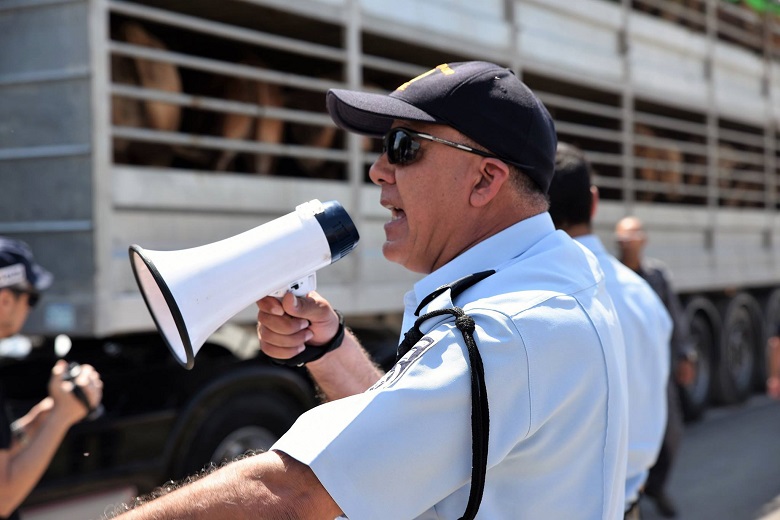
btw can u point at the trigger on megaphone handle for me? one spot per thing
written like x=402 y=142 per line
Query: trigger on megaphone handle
x=300 y=287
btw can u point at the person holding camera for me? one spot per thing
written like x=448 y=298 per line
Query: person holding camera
x=28 y=444
x=508 y=396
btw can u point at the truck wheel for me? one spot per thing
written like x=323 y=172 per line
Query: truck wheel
x=237 y=425
x=695 y=397
x=739 y=347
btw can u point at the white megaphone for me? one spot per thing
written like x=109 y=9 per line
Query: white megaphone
x=192 y=292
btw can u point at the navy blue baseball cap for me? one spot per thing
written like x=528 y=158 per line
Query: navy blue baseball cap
x=483 y=101
x=18 y=268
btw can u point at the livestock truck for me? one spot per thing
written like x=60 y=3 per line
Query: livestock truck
x=172 y=124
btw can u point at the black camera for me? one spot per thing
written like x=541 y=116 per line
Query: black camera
x=71 y=373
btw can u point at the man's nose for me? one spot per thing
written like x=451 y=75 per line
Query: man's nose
x=382 y=172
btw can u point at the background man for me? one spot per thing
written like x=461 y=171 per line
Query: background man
x=632 y=239
x=28 y=444
x=646 y=325
x=468 y=156
x=773 y=356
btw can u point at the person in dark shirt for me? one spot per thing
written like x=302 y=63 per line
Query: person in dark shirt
x=632 y=239
x=28 y=444
x=773 y=379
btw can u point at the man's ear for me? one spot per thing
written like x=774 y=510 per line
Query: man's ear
x=493 y=174
x=594 y=196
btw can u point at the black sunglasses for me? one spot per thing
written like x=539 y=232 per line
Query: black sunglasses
x=401 y=148
x=32 y=296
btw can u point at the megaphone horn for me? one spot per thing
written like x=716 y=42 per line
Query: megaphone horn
x=190 y=293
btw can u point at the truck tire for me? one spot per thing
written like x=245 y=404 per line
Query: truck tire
x=695 y=398
x=739 y=348
x=249 y=422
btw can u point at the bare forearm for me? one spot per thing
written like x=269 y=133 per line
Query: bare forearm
x=25 y=464
x=285 y=326
x=346 y=371
x=32 y=421
x=222 y=494
x=268 y=486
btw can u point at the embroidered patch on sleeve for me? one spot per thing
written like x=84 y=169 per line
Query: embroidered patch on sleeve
x=404 y=363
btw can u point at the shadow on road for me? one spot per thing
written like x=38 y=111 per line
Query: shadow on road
x=728 y=466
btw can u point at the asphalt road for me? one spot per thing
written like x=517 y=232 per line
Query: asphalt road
x=728 y=466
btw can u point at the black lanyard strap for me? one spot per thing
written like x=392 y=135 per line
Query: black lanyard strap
x=413 y=335
x=455 y=288
x=480 y=415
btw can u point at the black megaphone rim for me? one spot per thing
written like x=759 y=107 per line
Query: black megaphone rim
x=178 y=319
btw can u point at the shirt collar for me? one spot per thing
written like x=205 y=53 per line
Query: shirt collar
x=488 y=254
x=593 y=243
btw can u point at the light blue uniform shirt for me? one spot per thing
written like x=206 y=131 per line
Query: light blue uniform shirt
x=647 y=330
x=555 y=374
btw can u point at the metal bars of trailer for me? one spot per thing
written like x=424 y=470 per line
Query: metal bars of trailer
x=218 y=31
x=672 y=130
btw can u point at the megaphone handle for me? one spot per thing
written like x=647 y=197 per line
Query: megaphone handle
x=312 y=353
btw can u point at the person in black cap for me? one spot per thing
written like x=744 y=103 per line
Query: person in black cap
x=28 y=444
x=508 y=397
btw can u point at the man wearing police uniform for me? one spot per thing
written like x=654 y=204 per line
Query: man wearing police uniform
x=508 y=399
x=646 y=324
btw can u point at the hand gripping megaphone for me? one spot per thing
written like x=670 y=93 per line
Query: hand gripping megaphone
x=190 y=293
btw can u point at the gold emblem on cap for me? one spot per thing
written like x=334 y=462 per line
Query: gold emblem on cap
x=443 y=68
